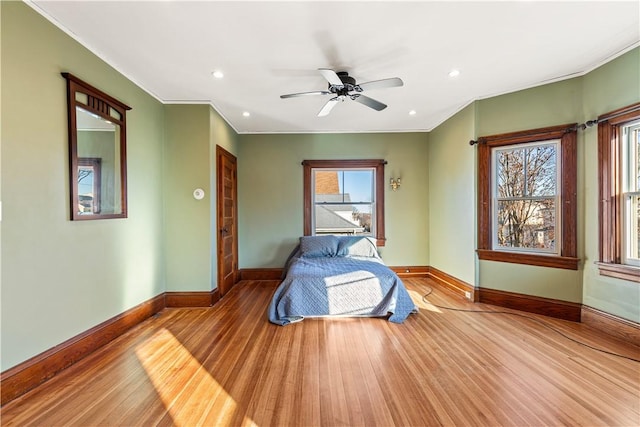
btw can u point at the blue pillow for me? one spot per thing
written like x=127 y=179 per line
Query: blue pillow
x=319 y=246
x=357 y=246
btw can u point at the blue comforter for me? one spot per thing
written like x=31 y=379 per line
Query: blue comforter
x=340 y=286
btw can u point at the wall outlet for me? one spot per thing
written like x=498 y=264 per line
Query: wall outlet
x=467 y=294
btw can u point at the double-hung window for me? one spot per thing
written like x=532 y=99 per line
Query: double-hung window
x=619 y=180
x=527 y=197
x=344 y=197
x=631 y=194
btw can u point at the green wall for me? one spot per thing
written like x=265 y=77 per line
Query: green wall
x=191 y=135
x=187 y=220
x=541 y=106
x=270 y=192
x=60 y=277
x=452 y=196
x=549 y=105
x=612 y=86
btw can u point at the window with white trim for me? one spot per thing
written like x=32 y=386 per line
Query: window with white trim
x=343 y=201
x=525 y=197
x=631 y=193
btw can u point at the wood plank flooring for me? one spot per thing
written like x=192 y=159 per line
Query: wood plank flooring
x=227 y=365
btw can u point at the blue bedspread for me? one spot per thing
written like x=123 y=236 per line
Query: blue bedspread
x=340 y=286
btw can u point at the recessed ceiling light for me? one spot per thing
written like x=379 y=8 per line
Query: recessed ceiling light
x=218 y=74
x=246 y=114
x=454 y=73
x=412 y=112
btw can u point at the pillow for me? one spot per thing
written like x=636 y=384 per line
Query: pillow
x=357 y=246
x=318 y=246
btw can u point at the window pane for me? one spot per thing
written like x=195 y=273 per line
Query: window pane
x=358 y=185
x=636 y=135
x=327 y=186
x=526 y=172
x=510 y=173
x=85 y=189
x=541 y=170
x=343 y=201
x=528 y=224
x=343 y=219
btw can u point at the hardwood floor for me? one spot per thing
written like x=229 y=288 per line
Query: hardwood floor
x=226 y=365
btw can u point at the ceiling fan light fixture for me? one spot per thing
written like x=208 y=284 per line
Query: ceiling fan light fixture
x=343 y=86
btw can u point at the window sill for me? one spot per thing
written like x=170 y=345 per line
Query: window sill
x=619 y=271
x=567 y=263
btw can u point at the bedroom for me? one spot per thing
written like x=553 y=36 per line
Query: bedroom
x=62 y=278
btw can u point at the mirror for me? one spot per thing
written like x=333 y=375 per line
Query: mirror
x=97 y=152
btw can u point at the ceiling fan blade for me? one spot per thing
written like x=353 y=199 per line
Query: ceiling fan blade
x=379 y=84
x=293 y=95
x=369 y=102
x=331 y=76
x=326 y=109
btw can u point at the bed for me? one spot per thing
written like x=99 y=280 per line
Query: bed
x=338 y=276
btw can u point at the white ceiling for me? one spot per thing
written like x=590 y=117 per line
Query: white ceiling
x=266 y=49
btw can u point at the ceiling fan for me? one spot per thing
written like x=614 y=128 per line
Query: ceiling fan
x=343 y=86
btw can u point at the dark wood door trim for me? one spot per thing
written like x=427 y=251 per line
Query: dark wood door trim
x=221 y=156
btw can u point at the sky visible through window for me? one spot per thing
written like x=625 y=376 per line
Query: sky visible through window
x=358 y=184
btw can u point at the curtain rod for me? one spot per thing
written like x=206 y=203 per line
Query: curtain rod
x=602 y=118
x=581 y=126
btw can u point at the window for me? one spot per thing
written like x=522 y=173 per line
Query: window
x=527 y=197
x=631 y=194
x=344 y=197
x=89 y=185
x=619 y=181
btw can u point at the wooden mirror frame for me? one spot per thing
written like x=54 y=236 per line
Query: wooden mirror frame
x=106 y=107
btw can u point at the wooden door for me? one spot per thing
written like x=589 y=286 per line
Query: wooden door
x=227 y=215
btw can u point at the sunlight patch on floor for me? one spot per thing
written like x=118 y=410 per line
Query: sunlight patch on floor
x=189 y=393
x=417 y=300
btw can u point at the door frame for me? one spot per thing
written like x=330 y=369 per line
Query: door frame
x=220 y=153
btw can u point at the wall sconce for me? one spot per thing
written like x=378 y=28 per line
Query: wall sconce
x=395 y=183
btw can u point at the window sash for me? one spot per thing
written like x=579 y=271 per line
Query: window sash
x=555 y=196
x=344 y=191
x=630 y=193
